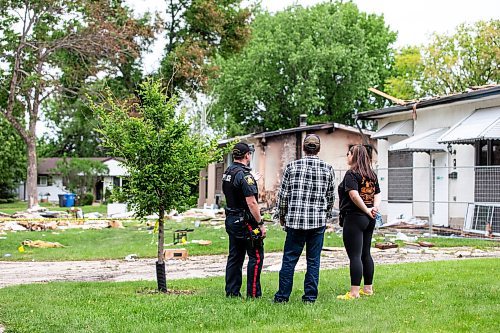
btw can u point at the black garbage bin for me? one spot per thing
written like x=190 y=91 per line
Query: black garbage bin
x=62 y=200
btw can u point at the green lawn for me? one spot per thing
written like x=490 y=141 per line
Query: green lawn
x=18 y=206
x=135 y=238
x=452 y=296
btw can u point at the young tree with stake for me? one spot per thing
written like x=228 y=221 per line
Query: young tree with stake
x=162 y=156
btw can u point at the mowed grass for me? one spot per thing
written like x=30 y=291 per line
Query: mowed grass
x=452 y=296
x=135 y=238
x=19 y=206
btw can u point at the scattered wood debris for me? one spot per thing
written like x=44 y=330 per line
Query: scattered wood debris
x=41 y=244
x=386 y=245
x=175 y=254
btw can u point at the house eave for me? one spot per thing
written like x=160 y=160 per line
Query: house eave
x=393 y=110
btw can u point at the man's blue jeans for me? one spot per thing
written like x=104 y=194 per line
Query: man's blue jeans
x=294 y=244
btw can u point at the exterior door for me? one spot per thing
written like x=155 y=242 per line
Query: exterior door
x=440 y=189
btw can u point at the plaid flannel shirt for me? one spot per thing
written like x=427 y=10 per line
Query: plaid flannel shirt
x=307 y=193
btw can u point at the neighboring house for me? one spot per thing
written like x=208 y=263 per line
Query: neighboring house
x=438 y=158
x=274 y=150
x=50 y=183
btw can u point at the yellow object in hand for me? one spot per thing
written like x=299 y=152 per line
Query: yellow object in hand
x=256 y=231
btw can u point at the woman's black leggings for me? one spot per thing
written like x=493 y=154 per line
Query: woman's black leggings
x=357 y=235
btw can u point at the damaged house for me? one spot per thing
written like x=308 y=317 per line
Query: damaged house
x=439 y=159
x=274 y=150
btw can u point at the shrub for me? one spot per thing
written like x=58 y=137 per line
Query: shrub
x=87 y=199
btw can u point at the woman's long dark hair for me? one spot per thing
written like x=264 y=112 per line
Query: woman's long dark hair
x=361 y=162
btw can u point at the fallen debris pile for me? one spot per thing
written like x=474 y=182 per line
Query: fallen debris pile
x=41 y=244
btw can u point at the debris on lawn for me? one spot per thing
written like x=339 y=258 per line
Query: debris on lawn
x=405 y=238
x=41 y=244
x=55 y=214
x=131 y=257
x=201 y=242
x=115 y=224
x=149 y=291
x=181 y=235
x=93 y=215
x=386 y=245
x=26 y=215
x=3 y=215
x=175 y=254
x=408 y=223
x=13 y=226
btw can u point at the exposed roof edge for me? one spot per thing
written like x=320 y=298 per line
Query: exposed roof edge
x=476 y=94
x=324 y=126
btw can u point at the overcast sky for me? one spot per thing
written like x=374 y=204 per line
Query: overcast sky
x=414 y=20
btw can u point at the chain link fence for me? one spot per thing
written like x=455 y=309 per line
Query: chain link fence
x=440 y=200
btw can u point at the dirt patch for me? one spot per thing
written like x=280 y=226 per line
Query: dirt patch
x=149 y=291
x=15 y=273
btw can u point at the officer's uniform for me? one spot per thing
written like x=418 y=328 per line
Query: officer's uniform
x=237 y=184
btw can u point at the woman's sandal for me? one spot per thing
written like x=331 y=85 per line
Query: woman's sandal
x=364 y=293
x=346 y=297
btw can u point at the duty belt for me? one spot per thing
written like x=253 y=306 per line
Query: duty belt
x=235 y=211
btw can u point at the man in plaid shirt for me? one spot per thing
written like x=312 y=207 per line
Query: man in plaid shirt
x=304 y=203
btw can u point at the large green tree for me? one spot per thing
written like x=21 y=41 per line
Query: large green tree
x=407 y=73
x=161 y=154
x=196 y=31
x=38 y=39
x=450 y=63
x=318 y=61
x=469 y=57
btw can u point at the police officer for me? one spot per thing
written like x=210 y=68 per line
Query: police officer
x=243 y=224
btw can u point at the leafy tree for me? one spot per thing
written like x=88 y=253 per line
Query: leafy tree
x=318 y=61
x=41 y=40
x=161 y=155
x=80 y=174
x=407 y=74
x=470 y=57
x=196 y=31
x=12 y=161
x=449 y=63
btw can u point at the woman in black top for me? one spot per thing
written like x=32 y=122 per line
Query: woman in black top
x=359 y=195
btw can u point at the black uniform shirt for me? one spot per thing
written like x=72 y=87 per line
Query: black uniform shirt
x=367 y=189
x=237 y=184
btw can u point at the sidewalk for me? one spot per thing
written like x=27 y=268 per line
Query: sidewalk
x=15 y=273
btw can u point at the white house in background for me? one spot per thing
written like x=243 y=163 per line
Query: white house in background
x=50 y=183
x=446 y=149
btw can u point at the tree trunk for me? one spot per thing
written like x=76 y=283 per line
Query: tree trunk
x=31 y=180
x=160 y=264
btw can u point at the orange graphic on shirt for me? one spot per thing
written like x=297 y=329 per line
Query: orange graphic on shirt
x=367 y=192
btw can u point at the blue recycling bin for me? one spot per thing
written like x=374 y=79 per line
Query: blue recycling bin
x=70 y=199
x=62 y=200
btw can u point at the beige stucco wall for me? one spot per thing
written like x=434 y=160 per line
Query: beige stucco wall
x=272 y=154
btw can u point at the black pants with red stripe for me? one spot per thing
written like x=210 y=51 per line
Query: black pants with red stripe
x=238 y=247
